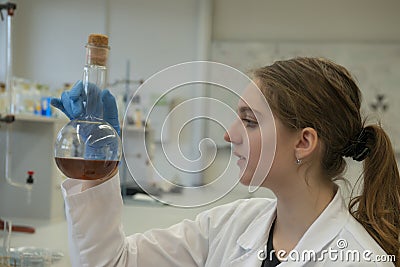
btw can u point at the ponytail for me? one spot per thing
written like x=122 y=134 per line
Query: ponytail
x=378 y=207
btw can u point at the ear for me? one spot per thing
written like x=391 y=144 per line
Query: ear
x=306 y=143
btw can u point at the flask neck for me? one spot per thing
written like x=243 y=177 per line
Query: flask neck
x=95 y=79
x=97 y=55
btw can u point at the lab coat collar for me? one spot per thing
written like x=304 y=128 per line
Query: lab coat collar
x=253 y=237
x=324 y=229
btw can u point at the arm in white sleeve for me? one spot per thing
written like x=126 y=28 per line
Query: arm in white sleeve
x=96 y=235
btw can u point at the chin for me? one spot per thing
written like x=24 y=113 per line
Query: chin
x=244 y=182
x=245 y=178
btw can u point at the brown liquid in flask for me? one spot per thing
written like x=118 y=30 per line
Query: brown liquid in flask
x=87 y=169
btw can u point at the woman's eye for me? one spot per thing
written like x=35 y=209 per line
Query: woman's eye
x=249 y=123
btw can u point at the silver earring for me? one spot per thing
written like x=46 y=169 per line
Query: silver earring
x=298 y=161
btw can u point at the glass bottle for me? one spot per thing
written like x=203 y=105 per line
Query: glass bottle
x=89 y=148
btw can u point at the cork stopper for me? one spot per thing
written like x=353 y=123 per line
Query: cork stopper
x=98 y=39
x=97 y=50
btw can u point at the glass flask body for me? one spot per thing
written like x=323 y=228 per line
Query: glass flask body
x=88 y=147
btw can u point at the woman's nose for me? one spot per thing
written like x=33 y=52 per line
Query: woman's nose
x=232 y=135
x=227 y=138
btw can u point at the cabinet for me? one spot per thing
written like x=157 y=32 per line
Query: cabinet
x=32 y=141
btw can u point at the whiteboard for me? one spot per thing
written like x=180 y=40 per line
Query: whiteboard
x=376 y=67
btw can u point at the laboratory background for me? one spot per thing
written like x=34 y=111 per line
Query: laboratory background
x=46 y=40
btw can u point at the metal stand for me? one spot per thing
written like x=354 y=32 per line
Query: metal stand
x=8 y=118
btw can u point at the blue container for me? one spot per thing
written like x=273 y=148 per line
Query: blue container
x=45 y=105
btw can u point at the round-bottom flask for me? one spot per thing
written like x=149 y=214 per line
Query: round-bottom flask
x=88 y=147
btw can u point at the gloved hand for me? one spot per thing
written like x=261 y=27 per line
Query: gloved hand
x=71 y=104
x=94 y=144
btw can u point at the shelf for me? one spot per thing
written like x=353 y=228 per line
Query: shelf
x=38 y=118
x=132 y=128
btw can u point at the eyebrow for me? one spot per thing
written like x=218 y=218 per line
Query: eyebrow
x=248 y=109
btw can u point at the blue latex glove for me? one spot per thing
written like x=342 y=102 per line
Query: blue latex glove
x=71 y=104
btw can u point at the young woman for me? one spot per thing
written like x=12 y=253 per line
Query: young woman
x=316 y=108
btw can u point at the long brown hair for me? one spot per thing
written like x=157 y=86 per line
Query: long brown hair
x=317 y=93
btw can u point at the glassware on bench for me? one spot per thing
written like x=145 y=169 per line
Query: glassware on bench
x=5 y=255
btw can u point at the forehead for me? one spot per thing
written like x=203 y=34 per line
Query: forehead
x=253 y=98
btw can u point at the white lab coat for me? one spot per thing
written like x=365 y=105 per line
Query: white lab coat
x=228 y=235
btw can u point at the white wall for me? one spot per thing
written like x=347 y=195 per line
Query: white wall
x=152 y=34
x=49 y=36
x=306 y=20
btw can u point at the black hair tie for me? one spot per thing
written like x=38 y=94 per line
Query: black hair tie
x=357 y=149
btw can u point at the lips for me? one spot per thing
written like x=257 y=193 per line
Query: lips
x=241 y=161
x=239 y=155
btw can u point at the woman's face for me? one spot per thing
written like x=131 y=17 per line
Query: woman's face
x=261 y=143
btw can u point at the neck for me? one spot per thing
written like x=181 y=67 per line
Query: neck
x=297 y=209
